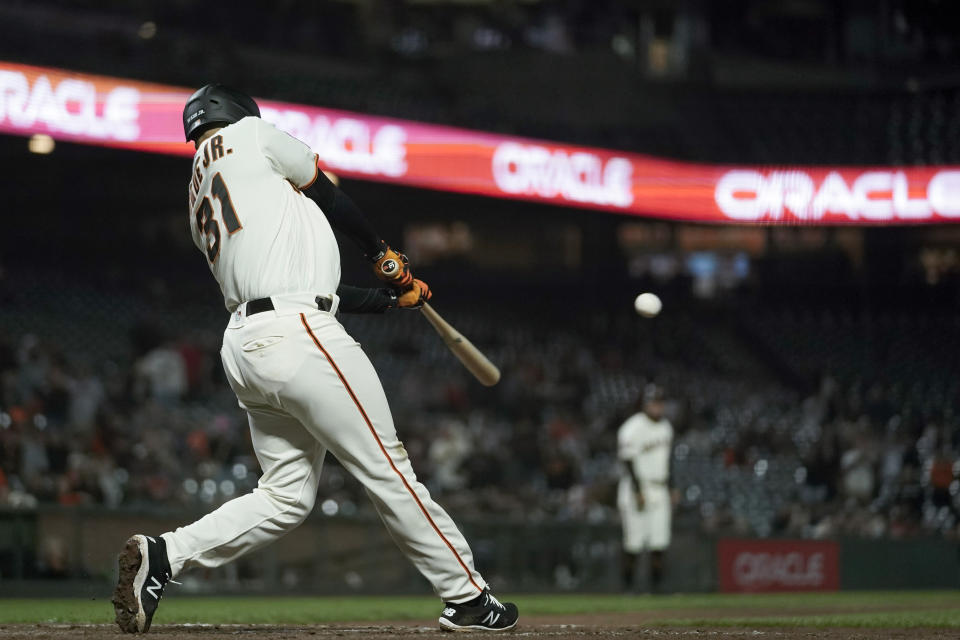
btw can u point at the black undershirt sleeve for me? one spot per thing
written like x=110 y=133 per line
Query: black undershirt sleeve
x=365 y=300
x=632 y=473
x=344 y=215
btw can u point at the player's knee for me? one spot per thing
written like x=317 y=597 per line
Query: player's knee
x=298 y=511
x=294 y=506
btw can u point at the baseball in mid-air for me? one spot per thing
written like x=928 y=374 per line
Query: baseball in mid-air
x=648 y=304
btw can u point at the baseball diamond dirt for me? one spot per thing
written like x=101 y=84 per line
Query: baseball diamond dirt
x=646 y=624
x=541 y=628
x=861 y=615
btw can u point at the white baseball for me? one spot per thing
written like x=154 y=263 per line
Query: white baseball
x=648 y=305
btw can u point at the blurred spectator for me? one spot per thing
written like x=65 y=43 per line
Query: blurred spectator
x=857 y=465
x=861 y=454
x=942 y=478
x=447 y=453
x=161 y=374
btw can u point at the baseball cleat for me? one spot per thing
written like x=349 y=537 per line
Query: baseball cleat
x=144 y=572
x=486 y=613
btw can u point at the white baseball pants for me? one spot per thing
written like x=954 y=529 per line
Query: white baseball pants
x=647 y=528
x=309 y=388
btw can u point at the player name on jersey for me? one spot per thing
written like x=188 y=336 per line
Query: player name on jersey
x=209 y=153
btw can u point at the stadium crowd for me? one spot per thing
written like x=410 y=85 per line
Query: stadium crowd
x=860 y=454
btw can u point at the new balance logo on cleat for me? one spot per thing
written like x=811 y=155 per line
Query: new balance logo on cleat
x=156 y=589
x=484 y=613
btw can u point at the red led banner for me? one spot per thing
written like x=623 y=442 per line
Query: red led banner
x=147 y=117
x=778 y=565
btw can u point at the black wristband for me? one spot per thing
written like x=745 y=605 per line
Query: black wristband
x=379 y=253
x=364 y=300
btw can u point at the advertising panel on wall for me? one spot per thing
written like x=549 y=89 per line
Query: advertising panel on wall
x=124 y=113
x=777 y=565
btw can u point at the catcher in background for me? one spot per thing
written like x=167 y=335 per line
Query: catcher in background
x=644 y=445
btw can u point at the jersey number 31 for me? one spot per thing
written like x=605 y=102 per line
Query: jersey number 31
x=208 y=226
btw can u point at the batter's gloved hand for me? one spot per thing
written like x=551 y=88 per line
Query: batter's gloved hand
x=393 y=268
x=641 y=503
x=414 y=297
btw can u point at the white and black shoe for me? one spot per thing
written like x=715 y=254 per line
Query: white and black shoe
x=144 y=572
x=483 y=613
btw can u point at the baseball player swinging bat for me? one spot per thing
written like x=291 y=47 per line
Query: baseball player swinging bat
x=471 y=357
x=263 y=215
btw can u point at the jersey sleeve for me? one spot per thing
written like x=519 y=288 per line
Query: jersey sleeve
x=627 y=446
x=289 y=157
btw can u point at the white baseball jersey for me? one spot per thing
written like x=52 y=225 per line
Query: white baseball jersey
x=261 y=235
x=646 y=445
x=306 y=384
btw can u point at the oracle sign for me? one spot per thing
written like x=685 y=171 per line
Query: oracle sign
x=576 y=177
x=873 y=196
x=346 y=144
x=778 y=565
x=68 y=105
x=137 y=115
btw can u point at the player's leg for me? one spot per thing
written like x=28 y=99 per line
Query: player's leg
x=632 y=523
x=628 y=570
x=291 y=460
x=656 y=570
x=339 y=396
x=659 y=540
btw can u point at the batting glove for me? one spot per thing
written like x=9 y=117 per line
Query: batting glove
x=393 y=268
x=414 y=297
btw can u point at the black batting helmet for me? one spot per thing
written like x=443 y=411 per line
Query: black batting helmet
x=215 y=104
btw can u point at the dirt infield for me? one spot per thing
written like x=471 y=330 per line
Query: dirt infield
x=606 y=626
x=643 y=622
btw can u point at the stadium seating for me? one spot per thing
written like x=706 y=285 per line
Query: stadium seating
x=753 y=453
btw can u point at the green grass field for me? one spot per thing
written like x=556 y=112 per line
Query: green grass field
x=845 y=609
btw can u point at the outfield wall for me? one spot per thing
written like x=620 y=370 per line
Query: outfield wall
x=58 y=551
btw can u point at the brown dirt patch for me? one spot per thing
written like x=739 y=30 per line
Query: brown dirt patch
x=124 y=600
x=574 y=627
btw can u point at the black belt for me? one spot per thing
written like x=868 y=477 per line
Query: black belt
x=266 y=304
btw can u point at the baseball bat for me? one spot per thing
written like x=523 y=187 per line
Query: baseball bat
x=471 y=357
